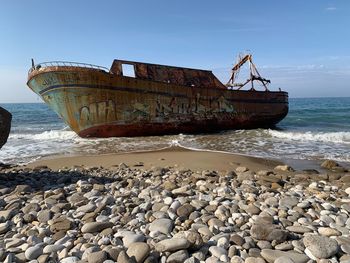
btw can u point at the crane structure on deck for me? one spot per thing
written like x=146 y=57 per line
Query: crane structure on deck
x=254 y=74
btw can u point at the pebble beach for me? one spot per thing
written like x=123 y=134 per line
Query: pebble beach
x=240 y=210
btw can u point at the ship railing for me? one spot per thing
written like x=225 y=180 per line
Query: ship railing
x=66 y=64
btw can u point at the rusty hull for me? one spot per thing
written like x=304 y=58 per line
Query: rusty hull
x=158 y=100
x=5 y=125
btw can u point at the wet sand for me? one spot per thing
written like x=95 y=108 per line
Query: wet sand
x=176 y=157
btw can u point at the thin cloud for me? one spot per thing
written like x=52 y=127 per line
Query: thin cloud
x=331 y=8
x=293 y=68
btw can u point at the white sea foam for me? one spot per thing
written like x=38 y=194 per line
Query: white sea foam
x=328 y=137
x=24 y=147
x=46 y=135
x=175 y=143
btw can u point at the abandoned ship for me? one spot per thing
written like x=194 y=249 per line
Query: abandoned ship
x=140 y=99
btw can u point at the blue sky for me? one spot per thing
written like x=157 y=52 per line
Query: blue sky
x=302 y=46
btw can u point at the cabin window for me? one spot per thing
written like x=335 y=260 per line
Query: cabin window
x=128 y=70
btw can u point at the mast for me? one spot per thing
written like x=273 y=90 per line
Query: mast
x=253 y=74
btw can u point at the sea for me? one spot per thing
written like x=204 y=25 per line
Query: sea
x=314 y=129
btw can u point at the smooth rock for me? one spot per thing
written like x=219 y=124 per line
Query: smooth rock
x=299 y=229
x=124 y=258
x=69 y=260
x=88 y=251
x=33 y=252
x=173 y=244
x=284 y=259
x=97 y=257
x=254 y=260
x=4 y=227
x=14 y=243
x=217 y=251
x=163 y=225
x=130 y=238
x=268 y=233
x=327 y=231
x=252 y=209
x=345 y=248
x=185 y=210
x=237 y=239
x=93 y=227
x=284 y=246
x=113 y=252
x=53 y=248
x=44 y=215
x=236 y=259
x=60 y=224
x=139 y=251
x=178 y=257
x=7 y=214
x=86 y=208
x=192 y=260
x=288 y=201
x=321 y=246
x=271 y=255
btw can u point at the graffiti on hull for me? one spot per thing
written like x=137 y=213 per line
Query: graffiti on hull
x=107 y=111
x=98 y=112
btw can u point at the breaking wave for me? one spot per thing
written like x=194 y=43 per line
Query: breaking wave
x=328 y=137
x=46 y=135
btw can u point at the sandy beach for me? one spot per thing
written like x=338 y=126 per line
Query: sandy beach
x=176 y=157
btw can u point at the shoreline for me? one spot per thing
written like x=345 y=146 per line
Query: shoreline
x=174 y=156
x=177 y=157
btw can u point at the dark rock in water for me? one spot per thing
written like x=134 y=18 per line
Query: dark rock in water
x=5 y=125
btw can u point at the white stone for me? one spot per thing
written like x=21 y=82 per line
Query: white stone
x=347 y=190
x=223 y=242
x=132 y=238
x=168 y=200
x=53 y=248
x=217 y=251
x=163 y=225
x=69 y=260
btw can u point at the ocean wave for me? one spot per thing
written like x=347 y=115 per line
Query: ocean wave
x=46 y=135
x=329 y=137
